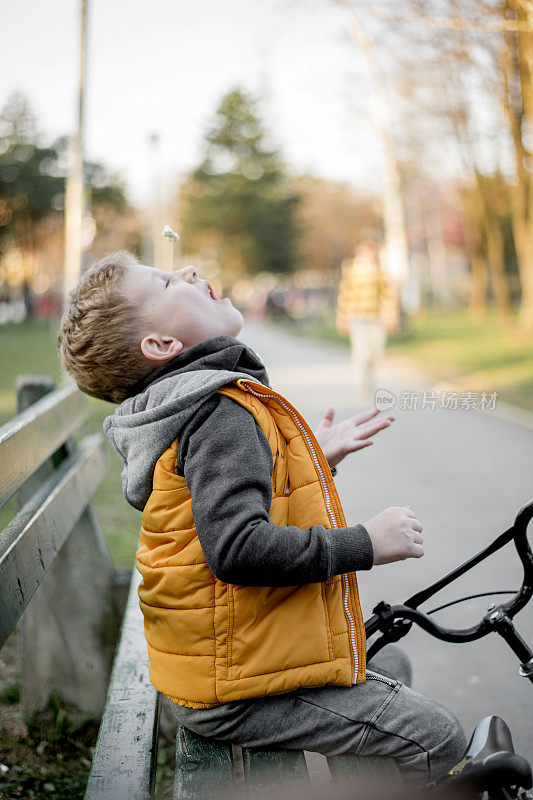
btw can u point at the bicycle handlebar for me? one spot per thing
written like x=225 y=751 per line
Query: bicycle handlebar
x=391 y=619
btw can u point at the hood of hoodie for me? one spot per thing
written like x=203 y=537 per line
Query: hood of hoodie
x=145 y=424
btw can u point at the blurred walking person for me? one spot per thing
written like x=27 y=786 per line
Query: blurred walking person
x=362 y=306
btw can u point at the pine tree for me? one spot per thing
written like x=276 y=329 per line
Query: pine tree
x=240 y=193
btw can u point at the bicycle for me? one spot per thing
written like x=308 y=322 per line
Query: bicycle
x=489 y=766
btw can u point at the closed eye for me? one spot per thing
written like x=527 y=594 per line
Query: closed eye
x=166 y=284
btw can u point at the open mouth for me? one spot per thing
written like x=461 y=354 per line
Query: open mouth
x=211 y=292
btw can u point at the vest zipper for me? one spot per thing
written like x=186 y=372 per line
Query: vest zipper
x=328 y=508
x=373 y=676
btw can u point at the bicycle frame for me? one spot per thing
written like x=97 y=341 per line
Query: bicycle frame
x=394 y=622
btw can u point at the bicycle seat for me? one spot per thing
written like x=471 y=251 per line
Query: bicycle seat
x=490 y=760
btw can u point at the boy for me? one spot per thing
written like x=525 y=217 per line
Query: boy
x=249 y=595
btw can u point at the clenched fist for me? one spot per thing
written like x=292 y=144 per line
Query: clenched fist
x=396 y=534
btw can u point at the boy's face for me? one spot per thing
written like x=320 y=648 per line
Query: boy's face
x=180 y=309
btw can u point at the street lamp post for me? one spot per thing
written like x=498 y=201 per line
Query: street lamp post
x=74 y=195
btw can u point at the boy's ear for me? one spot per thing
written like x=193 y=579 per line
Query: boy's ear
x=160 y=348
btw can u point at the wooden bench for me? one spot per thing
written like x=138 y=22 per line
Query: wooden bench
x=54 y=542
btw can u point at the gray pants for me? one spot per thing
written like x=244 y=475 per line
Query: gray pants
x=381 y=716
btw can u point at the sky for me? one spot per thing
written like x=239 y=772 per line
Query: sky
x=162 y=66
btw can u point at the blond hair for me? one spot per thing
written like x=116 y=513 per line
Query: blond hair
x=100 y=331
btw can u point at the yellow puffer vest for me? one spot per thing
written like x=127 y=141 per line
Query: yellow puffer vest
x=210 y=642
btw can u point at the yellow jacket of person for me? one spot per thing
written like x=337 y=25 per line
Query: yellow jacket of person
x=211 y=642
x=362 y=293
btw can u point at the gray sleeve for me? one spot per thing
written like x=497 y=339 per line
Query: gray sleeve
x=227 y=464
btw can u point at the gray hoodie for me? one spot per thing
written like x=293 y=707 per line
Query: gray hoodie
x=227 y=464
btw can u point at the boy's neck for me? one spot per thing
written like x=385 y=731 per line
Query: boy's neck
x=218 y=352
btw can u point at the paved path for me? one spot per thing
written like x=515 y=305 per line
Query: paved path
x=466 y=474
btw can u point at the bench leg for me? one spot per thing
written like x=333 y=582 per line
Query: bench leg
x=274 y=769
x=204 y=767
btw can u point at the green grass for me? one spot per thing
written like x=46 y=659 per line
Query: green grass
x=476 y=355
x=48 y=754
x=30 y=349
x=25 y=349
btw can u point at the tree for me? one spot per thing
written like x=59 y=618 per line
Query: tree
x=518 y=101
x=239 y=195
x=448 y=65
x=30 y=178
x=396 y=259
x=333 y=217
x=32 y=192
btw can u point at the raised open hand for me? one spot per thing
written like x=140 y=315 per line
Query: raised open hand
x=349 y=435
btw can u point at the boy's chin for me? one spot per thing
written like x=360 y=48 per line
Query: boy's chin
x=237 y=325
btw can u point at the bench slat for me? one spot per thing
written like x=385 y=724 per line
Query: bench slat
x=31 y=541
x=363 y=768
x=125 y=757
x=274 y=769
x=204 y=767
x=32 y=436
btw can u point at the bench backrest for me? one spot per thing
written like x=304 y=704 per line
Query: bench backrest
x=54 y=545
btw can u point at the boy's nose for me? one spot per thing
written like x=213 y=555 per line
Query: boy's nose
x=189 y=274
